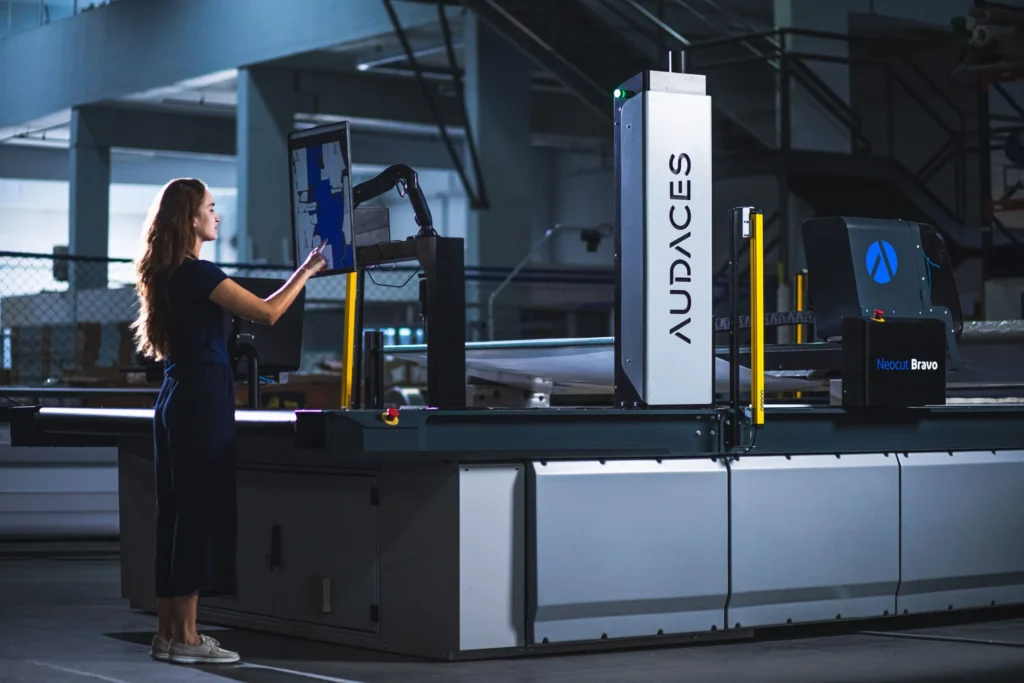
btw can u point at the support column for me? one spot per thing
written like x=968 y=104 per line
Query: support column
x=89 y=201
x=266 y=111
x=804 y=122
x=497 y=87
x=812 y=127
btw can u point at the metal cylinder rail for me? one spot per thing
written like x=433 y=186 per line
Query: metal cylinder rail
x=373 y=361
x=736 y=229
x=677 y=61
x=253 y=370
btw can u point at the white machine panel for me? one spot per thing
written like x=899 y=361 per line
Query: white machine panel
x=492 y=572
x=629 y=548
x=814 y=537
x=679 y=354
x=963 y=525
x=57 y=492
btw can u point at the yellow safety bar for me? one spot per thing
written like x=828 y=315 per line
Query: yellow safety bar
x=348 y=351
x=800 y=297
x=757 y=318
x=800 y=285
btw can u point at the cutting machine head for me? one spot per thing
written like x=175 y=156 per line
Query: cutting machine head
x=857 y=266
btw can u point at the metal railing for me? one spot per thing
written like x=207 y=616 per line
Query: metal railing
x=17 y=16
x=882 y=123
x=789 y=91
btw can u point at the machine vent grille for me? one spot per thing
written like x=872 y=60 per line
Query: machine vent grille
x=318 y=594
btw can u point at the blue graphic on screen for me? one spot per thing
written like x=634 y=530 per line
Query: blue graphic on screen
x=320 y=178
x=881 y=262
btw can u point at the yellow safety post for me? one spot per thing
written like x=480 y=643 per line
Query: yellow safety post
x=348 y=351
x=800 y=285
x=800 y=297
x=757 y=318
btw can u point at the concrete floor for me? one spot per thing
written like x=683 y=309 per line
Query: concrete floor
x=62 y=620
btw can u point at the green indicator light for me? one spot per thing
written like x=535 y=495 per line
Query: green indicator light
x=621 y=94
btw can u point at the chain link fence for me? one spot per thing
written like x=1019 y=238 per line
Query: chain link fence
x=64 y=320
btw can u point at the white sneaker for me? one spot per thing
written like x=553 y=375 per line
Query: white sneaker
x=159 y=649
x=208 y=651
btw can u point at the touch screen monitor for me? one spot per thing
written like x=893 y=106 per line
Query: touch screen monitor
x=321 y=195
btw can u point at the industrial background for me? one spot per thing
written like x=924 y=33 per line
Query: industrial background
x=856 y=107
x=869 y=108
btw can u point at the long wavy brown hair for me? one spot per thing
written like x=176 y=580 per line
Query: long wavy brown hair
x=169 y=236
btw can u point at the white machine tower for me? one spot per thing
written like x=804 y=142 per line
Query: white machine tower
x=664 y=318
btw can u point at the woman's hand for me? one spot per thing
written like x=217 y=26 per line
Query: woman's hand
x=315 y=262
x=240 y=301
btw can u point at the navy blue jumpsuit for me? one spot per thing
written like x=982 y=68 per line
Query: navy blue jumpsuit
x=194 y=439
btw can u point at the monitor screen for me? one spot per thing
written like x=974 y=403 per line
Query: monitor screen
x=321 y=195
x=279 y=346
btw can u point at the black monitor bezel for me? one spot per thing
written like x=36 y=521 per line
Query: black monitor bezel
x=331 y=132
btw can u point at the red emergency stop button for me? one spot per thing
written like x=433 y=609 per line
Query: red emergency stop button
x=879 y=312
x=390 y=416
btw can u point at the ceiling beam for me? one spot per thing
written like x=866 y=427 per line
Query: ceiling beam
x=366 y=95
x=397 y=99
x=188 y=133
x=129 y=47
x=184 y=125
x=369 y=148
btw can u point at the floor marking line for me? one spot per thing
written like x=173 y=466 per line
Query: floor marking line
x=76 y=671
x=318 y=677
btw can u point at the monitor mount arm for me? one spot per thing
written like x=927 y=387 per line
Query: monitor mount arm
x=407 y=182
x=241 y=345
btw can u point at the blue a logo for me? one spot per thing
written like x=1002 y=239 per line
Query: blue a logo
x=881 y=262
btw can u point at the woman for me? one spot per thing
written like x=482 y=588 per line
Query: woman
x=182 y=303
